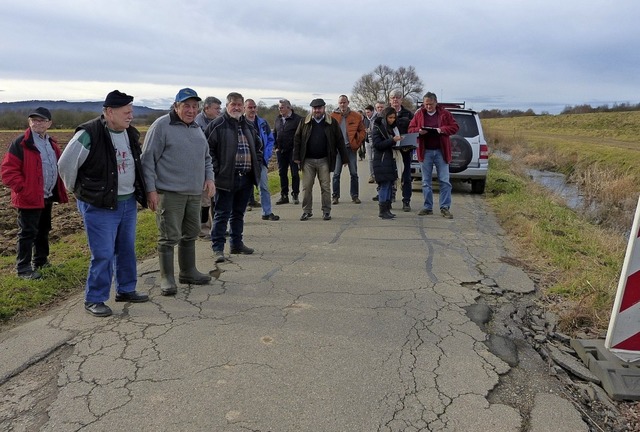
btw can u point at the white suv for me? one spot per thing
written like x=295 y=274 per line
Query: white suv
x=469 y=151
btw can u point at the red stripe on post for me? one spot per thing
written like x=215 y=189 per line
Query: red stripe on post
x=630 y=344
x=631 y=292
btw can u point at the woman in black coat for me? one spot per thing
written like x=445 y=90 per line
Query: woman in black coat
x=385 y=135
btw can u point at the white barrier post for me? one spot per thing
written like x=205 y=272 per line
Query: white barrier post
x=623 y=335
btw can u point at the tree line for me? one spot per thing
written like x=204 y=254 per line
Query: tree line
x=62 y=119
x=577 y=109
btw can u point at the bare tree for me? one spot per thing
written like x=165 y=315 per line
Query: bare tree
x=379 y=83
x=408 y=81
x=365 y=90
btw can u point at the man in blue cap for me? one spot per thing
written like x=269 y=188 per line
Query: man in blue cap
x=30 y=170
x=177 y=169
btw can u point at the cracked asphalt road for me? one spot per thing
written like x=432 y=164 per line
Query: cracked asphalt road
x=353 y=324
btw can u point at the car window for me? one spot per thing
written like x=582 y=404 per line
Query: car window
x=467 y=123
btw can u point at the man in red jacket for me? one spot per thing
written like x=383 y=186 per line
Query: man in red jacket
x=30 y=170
x=434 y=125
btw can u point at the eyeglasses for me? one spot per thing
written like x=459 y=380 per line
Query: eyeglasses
x=38 y=120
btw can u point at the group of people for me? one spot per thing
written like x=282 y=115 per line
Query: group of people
x=197 y=169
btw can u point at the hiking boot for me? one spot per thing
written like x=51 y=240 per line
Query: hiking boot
x=425 y=212
x=334 y=200
x=270 y=217
x=356 y=200
x=406 y=207
x=30 y=275
x=219 y=256
x=446 y=213
x=296 y=201
x=283 y=200
x=242 y=249
x=305 y=216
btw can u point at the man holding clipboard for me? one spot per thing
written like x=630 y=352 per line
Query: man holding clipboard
x=434 y=126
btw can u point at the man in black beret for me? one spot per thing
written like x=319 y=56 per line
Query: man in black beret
x=316 y=144
x=30 y=170
x=107 y=184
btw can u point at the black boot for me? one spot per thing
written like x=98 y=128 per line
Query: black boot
x=284 y=199
x=167 y=279
x=189 y=274
x=388 y=209
x=384 y=212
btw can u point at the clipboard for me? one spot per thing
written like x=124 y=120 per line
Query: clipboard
x=409 y=140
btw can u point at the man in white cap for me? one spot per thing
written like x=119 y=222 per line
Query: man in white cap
x=30 y=170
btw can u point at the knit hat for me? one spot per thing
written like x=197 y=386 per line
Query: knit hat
x=117 y=99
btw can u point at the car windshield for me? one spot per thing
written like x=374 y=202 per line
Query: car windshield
x=467 y=123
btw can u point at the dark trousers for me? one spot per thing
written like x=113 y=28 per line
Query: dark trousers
x=285 y=161
x=406 y=176
x=228 y=208
x=33 y=237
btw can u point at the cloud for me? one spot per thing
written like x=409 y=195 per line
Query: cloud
x=514 y=54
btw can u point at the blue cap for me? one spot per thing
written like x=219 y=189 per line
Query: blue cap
x=187 y=93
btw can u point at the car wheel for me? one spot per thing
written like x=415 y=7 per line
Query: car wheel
x=477 y=186
x=461 y=154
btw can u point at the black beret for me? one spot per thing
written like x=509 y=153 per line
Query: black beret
x=117 y=99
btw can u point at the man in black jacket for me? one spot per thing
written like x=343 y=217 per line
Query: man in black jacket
x=107 y=184
x=317 y=143
x=236 y=155
x=284 y=129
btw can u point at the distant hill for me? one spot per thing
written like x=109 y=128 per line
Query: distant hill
x=95 y=107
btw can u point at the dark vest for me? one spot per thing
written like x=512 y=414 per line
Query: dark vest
x=97 y=181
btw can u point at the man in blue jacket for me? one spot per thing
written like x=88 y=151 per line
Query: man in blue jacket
x=266 y=136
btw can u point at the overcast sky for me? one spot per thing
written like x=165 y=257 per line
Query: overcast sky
x=509 y=54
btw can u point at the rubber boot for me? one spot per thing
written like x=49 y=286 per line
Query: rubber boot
x=383 y=214
x=388 y=209
x=167 y=280
x=187 y=262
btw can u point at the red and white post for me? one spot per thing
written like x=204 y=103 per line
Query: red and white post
x=623 y=336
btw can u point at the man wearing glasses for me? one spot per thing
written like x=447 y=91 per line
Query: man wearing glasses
x=284 y=130
x=30 y=170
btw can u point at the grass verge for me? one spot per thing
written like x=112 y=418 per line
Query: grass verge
x=578 y=262
x=67 y=275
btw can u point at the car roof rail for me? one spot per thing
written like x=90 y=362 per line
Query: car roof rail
x=452 y=104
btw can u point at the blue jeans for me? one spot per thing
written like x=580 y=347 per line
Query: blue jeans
x=265 y=195
x=285 y=161
x=111 y=235
x=431 y=158
x=384 y=191
x=228 y=208
x=353 y=171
